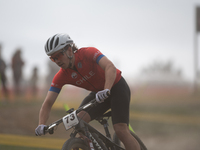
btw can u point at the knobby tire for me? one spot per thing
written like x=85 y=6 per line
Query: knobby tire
x=75 y=144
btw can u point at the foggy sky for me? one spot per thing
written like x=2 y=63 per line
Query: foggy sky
x=131 y=33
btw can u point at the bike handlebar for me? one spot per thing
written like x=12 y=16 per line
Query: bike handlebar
x=50 y=128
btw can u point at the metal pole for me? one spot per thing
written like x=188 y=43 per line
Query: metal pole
x=195 y=62
x=197 y=29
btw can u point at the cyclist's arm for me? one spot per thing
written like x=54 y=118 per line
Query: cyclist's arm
x=110 y=72
x=46 y=107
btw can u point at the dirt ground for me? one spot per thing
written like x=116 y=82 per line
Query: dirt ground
x=21 y=118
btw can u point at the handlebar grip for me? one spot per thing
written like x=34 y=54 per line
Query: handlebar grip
x=96 y=103
x=108 y=93
x=45 y=130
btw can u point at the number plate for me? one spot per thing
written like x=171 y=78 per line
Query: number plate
x=70 y=120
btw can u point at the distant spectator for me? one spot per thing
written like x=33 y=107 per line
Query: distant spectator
x=17 y=64
x=34 y=79
x=52 y=70
x=3 y=78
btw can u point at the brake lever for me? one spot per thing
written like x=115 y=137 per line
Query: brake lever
x=50 y=128
x=51 y=131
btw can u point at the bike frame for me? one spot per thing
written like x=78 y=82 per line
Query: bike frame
x=85 y=130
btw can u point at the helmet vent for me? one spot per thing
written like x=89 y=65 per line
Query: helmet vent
x=47 y=48
x=51 y=42
x=57 y=41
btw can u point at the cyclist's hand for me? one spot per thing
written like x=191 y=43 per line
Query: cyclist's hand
x=102 y=95
x=40 y=130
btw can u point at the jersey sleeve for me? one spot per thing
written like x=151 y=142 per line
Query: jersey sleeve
x=94 y=54
x=57 y=82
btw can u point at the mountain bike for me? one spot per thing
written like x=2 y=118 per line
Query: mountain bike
x=86 y=137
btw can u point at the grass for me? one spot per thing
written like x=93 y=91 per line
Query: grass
x=146 y=129
x=8 y=147
x=179 y=105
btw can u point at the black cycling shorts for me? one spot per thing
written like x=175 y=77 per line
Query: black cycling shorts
x=118 y=101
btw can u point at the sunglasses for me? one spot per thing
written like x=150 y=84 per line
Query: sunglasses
x=58 y=56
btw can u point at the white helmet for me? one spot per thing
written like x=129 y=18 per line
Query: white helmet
x=56 y=43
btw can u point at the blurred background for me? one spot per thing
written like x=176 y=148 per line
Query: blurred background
x=154 y=43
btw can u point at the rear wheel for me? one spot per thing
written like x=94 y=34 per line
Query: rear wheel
x=118 y=142
x=75 y=144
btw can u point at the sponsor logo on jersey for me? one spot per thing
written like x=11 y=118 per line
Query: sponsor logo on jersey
x=85 y=78
x=95 y=55
x=79 y=65
x=74 y=75
x=53 y=84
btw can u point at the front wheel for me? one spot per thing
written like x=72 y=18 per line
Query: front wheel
x=75 y=144
x=118 y=142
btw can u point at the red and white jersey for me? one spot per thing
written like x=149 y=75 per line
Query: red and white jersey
x=88 y=74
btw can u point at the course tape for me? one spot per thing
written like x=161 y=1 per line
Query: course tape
x=29 y=141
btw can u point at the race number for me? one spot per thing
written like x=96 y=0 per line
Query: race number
x=70 y=120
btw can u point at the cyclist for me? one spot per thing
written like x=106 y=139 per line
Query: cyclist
x=88 y=68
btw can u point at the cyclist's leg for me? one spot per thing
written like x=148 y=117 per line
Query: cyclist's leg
x=84 y=114
x=120 y=114
x=93 y=113
x=123 y=133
